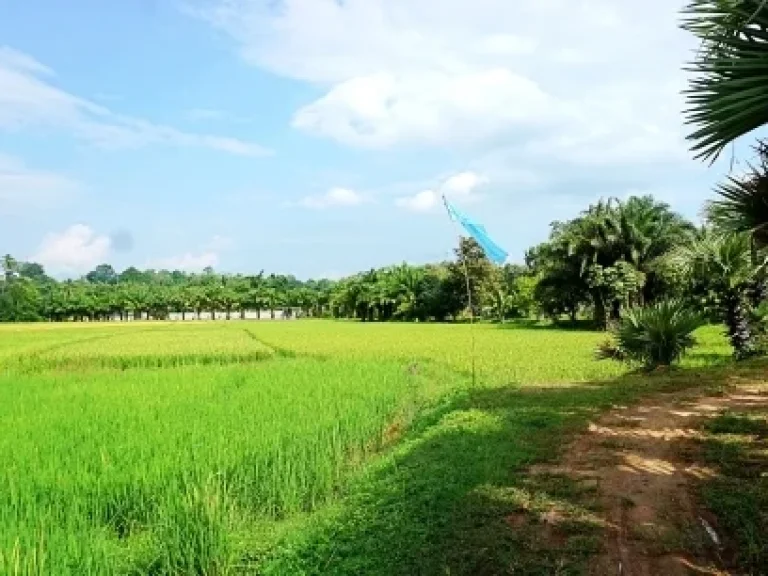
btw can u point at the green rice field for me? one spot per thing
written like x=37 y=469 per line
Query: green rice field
x=307 y=447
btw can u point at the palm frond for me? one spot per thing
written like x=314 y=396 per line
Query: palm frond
x=743 y=203
x=725 y=259
x=655 y=335
x=728 y=95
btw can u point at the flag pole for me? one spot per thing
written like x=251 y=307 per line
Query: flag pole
x=469 y=297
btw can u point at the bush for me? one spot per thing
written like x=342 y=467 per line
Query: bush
x=656 y=335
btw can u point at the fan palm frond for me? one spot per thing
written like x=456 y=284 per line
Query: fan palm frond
x=728 y=96
x=743 y=203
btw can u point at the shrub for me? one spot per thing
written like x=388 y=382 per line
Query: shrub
x=656 y=335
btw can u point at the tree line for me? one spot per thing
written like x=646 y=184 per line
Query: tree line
x=613 y=256
x=634 y=264
x=405 y=292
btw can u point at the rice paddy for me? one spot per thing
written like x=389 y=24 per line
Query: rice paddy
x=215 y=448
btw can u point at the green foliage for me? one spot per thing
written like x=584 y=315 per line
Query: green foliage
x=655 y=335
x=605 y=258
x=474 y=272
x=524 y=296
x=102 y=274
x=742 y=206
x=720 y=269
x=620 y=283
x=609 y=257
x=727 y=95
x=19 y=296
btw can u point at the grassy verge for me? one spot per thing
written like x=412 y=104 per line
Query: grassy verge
x=448 y=498
x=738 y=496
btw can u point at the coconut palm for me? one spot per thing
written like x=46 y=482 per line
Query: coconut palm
x=727 y=96
x=724 y=263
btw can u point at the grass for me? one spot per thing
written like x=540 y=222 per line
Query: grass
x=166 y=465
x=508 y=354
x=294 y=447
x=456 y=487
x=738 y=496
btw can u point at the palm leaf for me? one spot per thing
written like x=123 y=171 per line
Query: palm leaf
x=655 y=335
x=728 y=96
x=743 y=203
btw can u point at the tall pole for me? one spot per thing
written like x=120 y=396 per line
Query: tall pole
x=469 y=297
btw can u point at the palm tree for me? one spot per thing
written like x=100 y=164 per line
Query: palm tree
x=10 y=266
x=728 y=99
x=607 y=239
x=727 y=94
x=408 y=286
x=724 y=263
x=743 y=203
x=743 y=209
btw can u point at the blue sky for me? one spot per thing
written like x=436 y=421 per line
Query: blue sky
x=314 y=137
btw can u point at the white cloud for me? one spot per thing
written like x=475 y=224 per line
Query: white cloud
x=209 y=254
x=29 y=99
x=383 y=109
x=188 y=262
x=334 y=198
x=461 y=186
x=76 y=250
x=22 y=188
x=423 y=201
x=535 y=74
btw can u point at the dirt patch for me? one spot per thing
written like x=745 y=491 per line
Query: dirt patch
x=643 y=462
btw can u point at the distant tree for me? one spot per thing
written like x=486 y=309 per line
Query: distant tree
x=228 y=299
x=10 y=266
x=471 y=274
x=33 y=271
x=19 y=296
x=102 y=274
x=132 y=276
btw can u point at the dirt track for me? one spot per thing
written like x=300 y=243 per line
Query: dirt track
x=642 y=460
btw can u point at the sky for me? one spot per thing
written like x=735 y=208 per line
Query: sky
x=316 y=137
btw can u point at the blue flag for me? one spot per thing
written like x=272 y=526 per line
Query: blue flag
x=495 y=253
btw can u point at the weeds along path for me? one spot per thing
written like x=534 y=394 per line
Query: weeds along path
x=645 y=465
